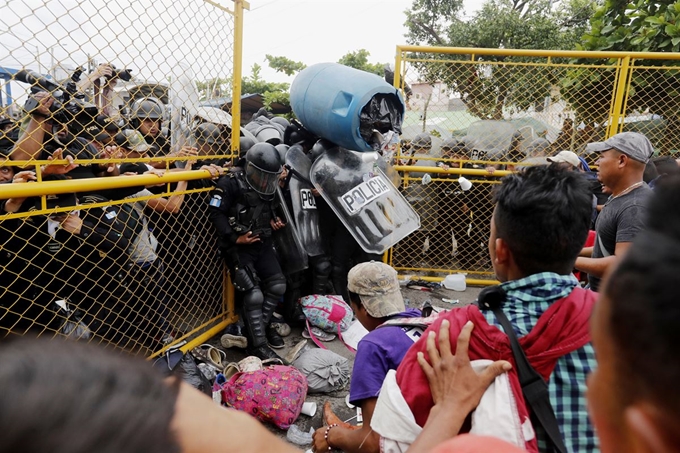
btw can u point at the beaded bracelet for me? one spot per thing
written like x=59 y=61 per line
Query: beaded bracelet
x=325 y=436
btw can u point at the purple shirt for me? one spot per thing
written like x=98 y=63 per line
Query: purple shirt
x=378 y=352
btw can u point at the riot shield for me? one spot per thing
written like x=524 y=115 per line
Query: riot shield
x=364 y=199
x=304 y=212
x=292 y=255
x=184 y=100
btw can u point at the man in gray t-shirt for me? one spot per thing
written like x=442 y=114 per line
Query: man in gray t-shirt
x=621 y=219
x=620 y=167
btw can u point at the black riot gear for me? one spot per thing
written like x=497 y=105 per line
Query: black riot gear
x=282 y=149
x=208 y=133
x=421 y=141
x=244 y=144
x=320 y=147
x=235 y=210
x=455 y=145
x=147 y=108
x=263 y=167
x=281 y=121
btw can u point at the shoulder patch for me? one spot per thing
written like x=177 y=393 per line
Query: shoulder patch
x=216 y=201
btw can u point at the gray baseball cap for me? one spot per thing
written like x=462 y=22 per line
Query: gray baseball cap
x=632 y=144
x=377 y=285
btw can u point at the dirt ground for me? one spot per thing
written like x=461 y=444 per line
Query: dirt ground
x=413 y=299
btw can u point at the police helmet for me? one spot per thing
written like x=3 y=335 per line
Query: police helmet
x=455 y=146
x=263 y=167
x=208 y=133
x=280 y=121
x=422 y=141
x=320 y=147
x=282 y=149
x=147 y=108
x=244 y=144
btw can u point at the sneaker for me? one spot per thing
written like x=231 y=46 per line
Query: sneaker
x=233 y=337
x=263 y=352
x=233 y=341
x=282 y=328
x=319 y=334
x=273 y=338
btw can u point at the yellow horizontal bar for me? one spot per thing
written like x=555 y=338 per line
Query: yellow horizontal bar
x=535 y=64
x=27 y=163
x=450 y=171
x=19 y=215
x=92 y=184
x=469 y=281
x=202 y=338
x=540 y=53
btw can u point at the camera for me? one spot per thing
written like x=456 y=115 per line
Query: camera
x=122 y=74
x=68 y=107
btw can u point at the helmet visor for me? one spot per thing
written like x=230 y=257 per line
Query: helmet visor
x=262 y=181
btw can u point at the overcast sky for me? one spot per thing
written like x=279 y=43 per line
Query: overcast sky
x=324 y=30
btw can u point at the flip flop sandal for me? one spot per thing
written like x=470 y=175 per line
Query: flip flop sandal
x=210 y=355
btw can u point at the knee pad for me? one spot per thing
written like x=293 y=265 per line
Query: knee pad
x=322 y=267
x=252 y=299
x=338 y=271
x=275 y=285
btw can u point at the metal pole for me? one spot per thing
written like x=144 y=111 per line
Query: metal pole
x=239 y=6
x=624 y=73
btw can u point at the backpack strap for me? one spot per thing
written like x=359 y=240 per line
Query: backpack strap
x=320 y=344
x=534 y=388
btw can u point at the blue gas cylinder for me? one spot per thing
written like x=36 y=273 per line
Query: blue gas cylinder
x=328 y=98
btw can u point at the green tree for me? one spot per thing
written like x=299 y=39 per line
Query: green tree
x=645 y=26
x=493 y=86
x=213 y=88
x=284 y=64
x=271 y=91
x=359 y=60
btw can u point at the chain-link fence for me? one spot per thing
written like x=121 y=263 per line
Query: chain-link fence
x=486 y=110
x=115 y=115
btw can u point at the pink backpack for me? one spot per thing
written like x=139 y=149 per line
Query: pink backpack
x=328 y=313
x=274 y=394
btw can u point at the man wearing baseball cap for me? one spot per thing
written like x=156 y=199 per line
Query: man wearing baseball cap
x=620 y=167
x=566 y=157
x=375 y=298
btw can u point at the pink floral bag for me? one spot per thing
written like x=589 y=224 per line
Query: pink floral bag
x=274 y=394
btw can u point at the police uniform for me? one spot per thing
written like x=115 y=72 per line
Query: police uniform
x=236 y=208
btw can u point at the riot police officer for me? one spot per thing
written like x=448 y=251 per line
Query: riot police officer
x=244 y=212
x=146 y=115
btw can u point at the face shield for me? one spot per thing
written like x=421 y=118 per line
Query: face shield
x=262 y=181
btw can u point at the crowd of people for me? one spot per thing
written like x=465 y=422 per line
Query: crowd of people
x=624 y=340
x=514 y=366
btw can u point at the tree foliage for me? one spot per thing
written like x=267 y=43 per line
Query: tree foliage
x=493 y=86
x=285 y=65
x=642 y=26
x=213 y=88
x=632 y=26
x=359 y=60
x=270 y=91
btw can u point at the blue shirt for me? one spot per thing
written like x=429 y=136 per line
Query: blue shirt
x=378 y=352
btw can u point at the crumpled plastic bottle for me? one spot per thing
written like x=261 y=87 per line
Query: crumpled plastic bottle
x=298 y=437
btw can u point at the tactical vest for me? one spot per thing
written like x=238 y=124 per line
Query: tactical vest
x=250 y=212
